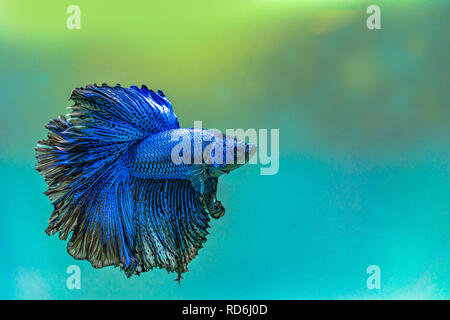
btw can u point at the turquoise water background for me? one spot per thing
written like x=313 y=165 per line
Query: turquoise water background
x=364 y=141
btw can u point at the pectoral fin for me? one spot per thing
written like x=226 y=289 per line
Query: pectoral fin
x=198 y=177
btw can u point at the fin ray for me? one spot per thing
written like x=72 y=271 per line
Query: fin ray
x=171 y=223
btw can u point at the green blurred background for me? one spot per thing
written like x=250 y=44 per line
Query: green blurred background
x=364 y=141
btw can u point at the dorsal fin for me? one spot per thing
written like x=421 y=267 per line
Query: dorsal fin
x=130 y=113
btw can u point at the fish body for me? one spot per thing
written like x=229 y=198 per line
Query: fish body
x=118 y=186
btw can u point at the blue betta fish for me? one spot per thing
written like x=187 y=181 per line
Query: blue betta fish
x=114 y=177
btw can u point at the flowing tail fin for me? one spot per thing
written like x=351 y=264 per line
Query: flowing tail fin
x=88 y=184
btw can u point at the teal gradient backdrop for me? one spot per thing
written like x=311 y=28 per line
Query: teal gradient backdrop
x=364 y=141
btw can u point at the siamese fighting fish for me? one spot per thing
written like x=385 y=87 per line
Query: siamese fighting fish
x=132 y=188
